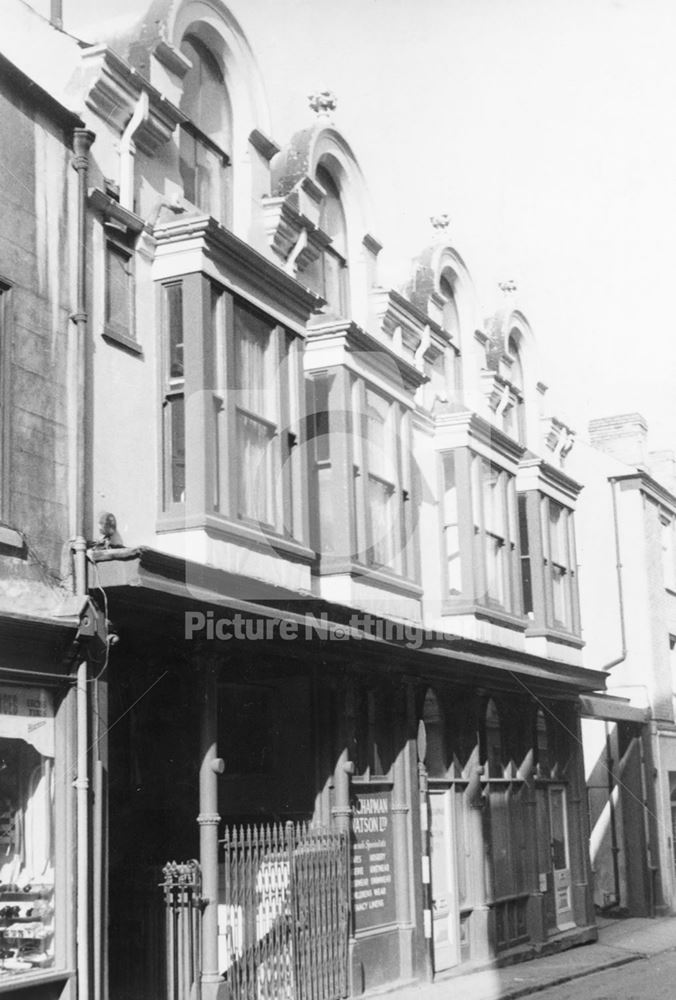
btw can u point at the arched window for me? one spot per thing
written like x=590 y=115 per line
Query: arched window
x=493 y=741
x=206 y=137
x=435 y=758
x=515 y=422
x=328 y=275
x=449 y=319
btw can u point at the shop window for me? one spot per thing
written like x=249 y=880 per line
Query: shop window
x=328 y=274
x=174 y=395
x=542 y=745
x=119 y=322
x=205 y=139
x=27 y=831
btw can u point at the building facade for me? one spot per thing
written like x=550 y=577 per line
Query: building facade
x=329 y=538
x=627 y=554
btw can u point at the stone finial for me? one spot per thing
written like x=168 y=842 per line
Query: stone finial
x=440 y=223
x=507 y=287
x=323 y=103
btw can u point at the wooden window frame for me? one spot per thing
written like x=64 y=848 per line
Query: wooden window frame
x=543 y=619
x=123 y=334
x=211 y=441
x=473 y=530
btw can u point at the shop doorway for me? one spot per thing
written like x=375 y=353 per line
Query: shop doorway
x=560 y=853
x=445 y=916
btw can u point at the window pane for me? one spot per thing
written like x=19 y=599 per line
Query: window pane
x=495 y=568
x=320 y=418
x=526 y=580
x=256 y=483
x=380 y=437
x=118 y=288
x=174 y=307
x=381 y=505
x=255 y=377
x=177 y=457
x=451 y=527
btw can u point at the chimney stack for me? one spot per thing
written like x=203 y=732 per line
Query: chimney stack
x=56 y=13
x=624 y=436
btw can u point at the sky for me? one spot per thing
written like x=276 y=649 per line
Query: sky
x=544 y=128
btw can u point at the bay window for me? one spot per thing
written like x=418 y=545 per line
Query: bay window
x=381 y=486
x=232 y=374
x=548 y=564
x=480 y=539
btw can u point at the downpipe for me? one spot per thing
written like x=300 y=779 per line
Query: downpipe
x=82 y=141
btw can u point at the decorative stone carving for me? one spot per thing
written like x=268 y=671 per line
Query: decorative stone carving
x=558 y=438
x=323 y=103
x=440 y=223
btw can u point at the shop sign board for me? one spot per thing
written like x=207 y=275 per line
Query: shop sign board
x=372 y=859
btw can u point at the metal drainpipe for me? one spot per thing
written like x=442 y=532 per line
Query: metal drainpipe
x=210 y=767
x=620 y=588
x=82 y=141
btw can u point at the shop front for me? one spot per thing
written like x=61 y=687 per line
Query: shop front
x=37 y=914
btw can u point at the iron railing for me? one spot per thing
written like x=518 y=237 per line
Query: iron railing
x=183 y=904
x=283 y=924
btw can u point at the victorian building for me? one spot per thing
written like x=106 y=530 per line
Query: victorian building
x=329 y=535
x=628 y=600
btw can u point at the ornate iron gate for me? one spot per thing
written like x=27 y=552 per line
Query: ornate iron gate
x=283 y=925
x=182 y=900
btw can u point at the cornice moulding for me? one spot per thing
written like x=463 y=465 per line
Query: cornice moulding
x=237 y=263
x=466 y=428
x=538 y=474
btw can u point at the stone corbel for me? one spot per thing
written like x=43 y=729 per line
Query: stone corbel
x=494 y=389
x=113 y=90
x=559 y=439
x=291 y=225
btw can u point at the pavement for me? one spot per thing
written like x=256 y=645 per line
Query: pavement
x=621 y=941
